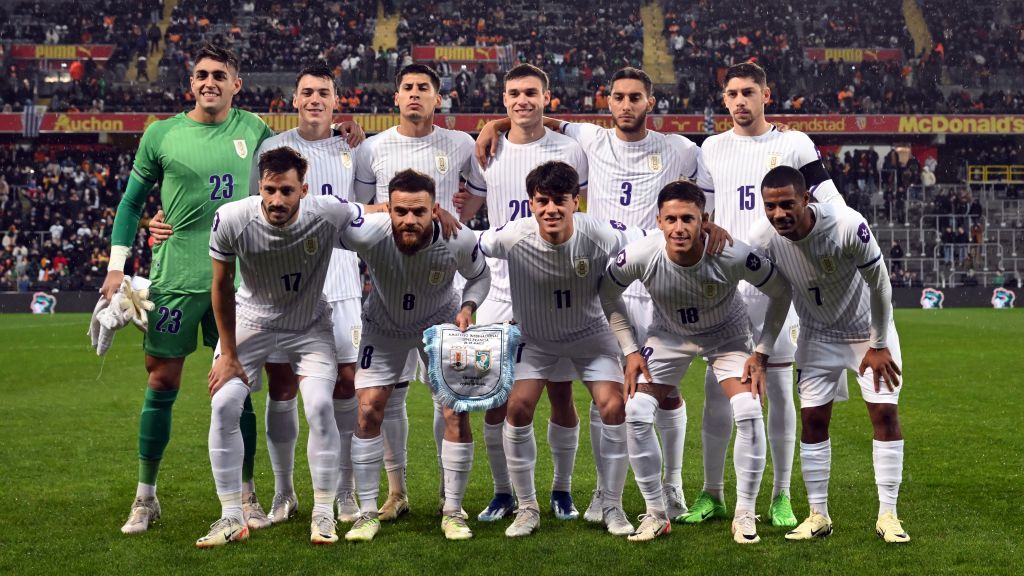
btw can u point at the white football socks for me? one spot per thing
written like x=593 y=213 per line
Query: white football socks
x=563 y=442
x=616 y=463
x=496 y=457
x=226 y=449
x=346 y=411
x=671 y=425
x=888 y=460
x=323 y=446
x=521 y=451
x=595 y=441
x=644 y=452
x=282 y=435
x=715 y=432
x=815 y=464
x=781 y=427
x=457 y=461
x=395 y=430
x=367 y=458
x=748 y=454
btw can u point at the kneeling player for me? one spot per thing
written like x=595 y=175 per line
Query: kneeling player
x=283 y=244
x=698 y=313
x=555 y=261
x=845 y=323
x=412 y=270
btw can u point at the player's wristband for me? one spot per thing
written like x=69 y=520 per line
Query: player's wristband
x=118 y=257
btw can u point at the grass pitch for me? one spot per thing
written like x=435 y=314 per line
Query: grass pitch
x=68 y=423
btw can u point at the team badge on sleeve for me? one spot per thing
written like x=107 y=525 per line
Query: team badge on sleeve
x=473 y=370
x=620 y=260
x=241 y=148
x=753 y=262
x=441 y=162
x=582 y=267
x=654 y=163
x=863 y=233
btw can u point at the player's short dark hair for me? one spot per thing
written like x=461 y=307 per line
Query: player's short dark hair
x=554 y=179
x=782 y=176
x=419 y=69
x=750 y=70
x=281 y=160
x=684 y=191
x=631 y=73
x=525 y=71
x=411 y=181
x=318 y=69
x=218 y=54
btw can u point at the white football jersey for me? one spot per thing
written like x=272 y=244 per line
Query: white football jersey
x=505 y=180
x=410 y=293
x=626 y=177
x=283 y=268
x=330 y=172
x=699 y=302
x=443 y=155
x=555 y=287
x=833 y=303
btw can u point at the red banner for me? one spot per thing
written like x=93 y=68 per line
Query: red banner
x=888 y=125
x=455 y=54
x=61 y=51
x=854 y=54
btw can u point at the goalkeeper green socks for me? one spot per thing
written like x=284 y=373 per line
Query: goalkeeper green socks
x=154 y=432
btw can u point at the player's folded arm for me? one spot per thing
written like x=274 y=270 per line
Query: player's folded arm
x=614 y=307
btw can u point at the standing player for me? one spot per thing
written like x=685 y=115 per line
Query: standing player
x=330 y=173
x=201 y=160
x=699 y=313
x=555 y=261
x=282 y=242
x=444 y=154
x=412 y=269
x=525 y=145
x=629 y=165
x=845 y=324
x=733 y=164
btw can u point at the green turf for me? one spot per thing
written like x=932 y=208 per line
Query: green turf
x=68 y=424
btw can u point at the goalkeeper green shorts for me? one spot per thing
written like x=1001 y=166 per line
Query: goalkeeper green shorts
x=174 y=323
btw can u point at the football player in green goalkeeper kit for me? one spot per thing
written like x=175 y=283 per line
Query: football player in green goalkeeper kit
x=201 y=159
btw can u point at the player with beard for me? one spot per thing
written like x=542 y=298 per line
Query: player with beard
x=412 y=270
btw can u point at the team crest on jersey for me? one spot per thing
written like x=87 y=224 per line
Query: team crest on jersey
x=458 y=358
x=654 y=162
x=346 y=159
x=241 y=148
x=582 y=267
x=828 y=264
x=311 y=245
x=794 y=335
x=436 y=277
x=710 y=290
x=774 y=159
x=356 y=335
x=482 y=361
x=441 y=161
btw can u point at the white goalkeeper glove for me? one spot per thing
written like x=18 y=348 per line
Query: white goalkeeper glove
x=129 y=304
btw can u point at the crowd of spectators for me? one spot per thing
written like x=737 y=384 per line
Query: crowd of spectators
x=56 y=210
x=978 y=40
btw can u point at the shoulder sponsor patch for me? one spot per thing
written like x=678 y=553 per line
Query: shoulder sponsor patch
x=617 y=225
x=620 y=260
x=753 y=262
x=863 y=233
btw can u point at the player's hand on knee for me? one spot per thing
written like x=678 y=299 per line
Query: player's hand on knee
x=755 y=374
x=717 y=237
x=882 y=367
x=450 y=225
x=636 y=366
x=111 y=284
x=158 y=229
x=486 y=144
x=351 y=131
x=225 y=367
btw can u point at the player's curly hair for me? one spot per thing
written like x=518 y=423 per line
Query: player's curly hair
x=782 y=176
x=218 y=54
x=281 y=160
x=682 y=190
x=411 y=181
x=554 y=179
